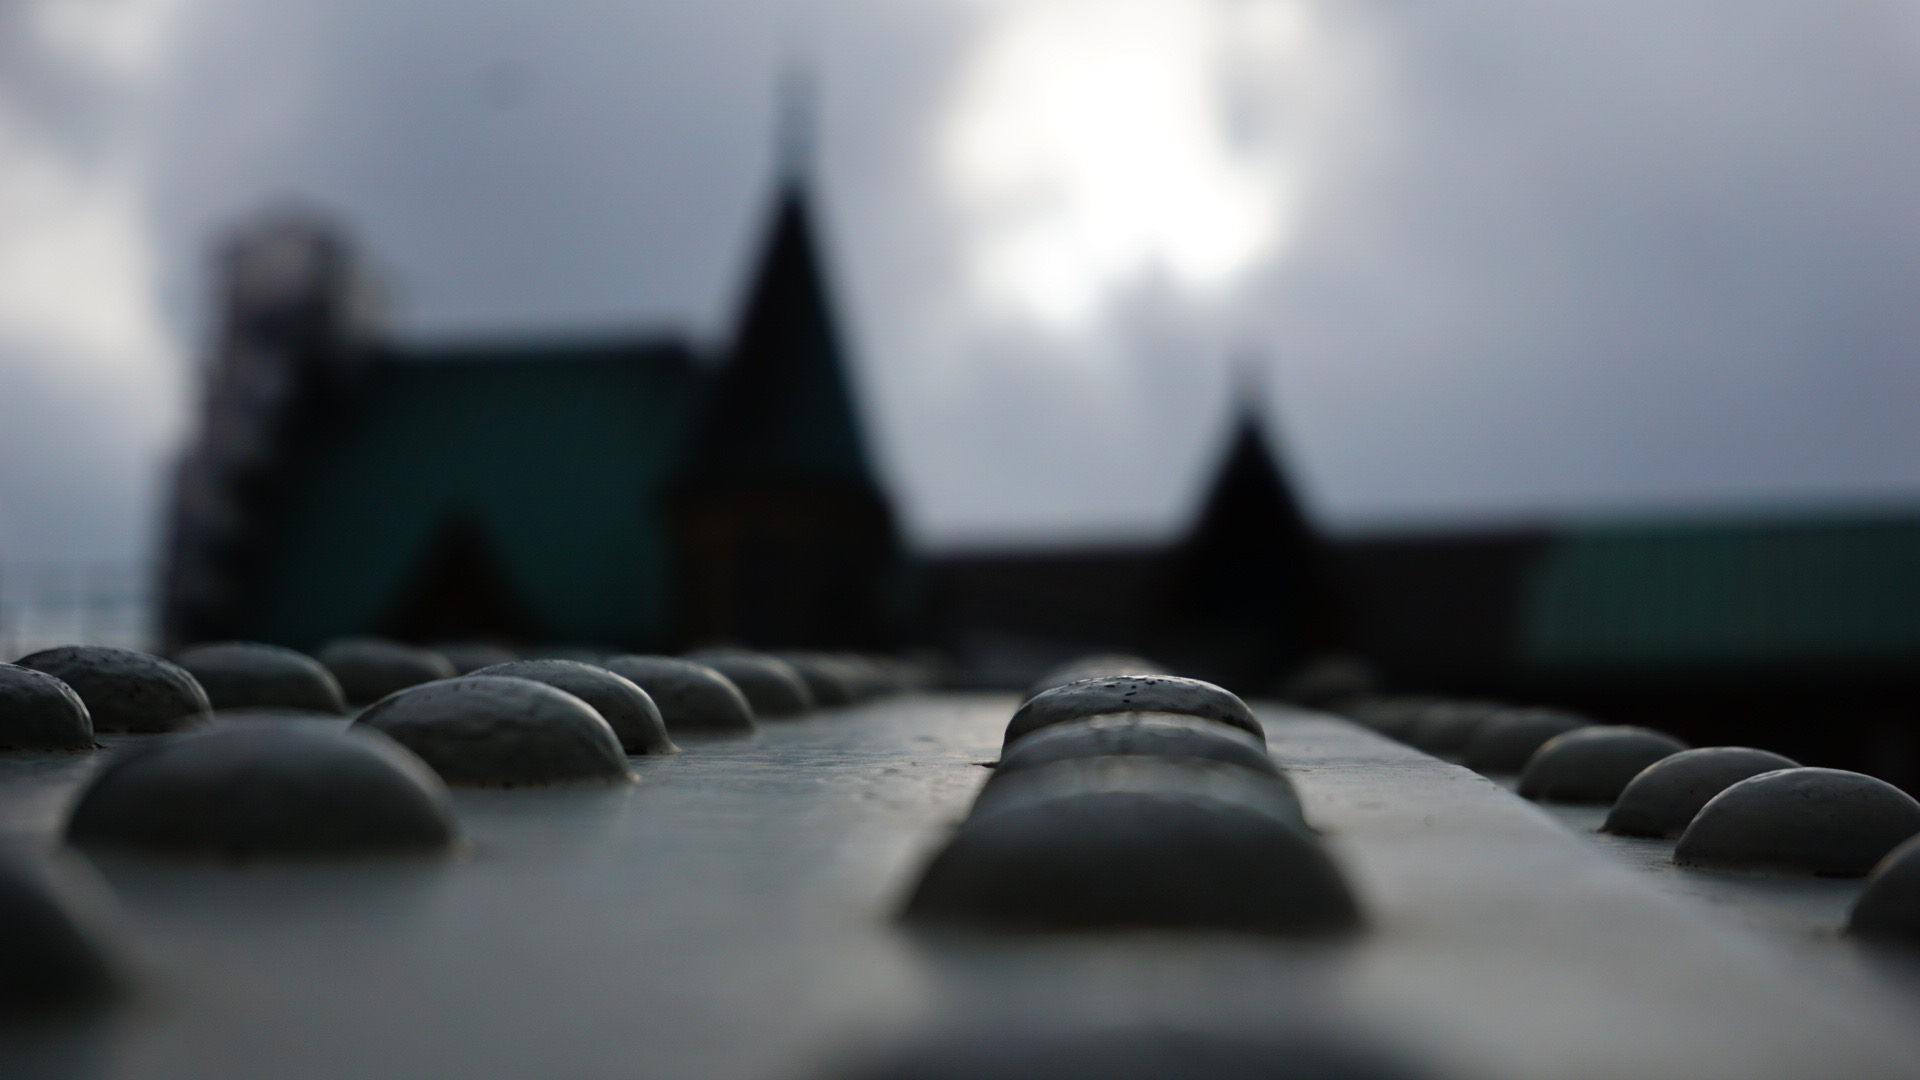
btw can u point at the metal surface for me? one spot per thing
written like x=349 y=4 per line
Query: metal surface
x=731 y=916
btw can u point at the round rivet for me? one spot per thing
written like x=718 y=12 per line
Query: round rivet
x=1135 y=1053
x=51 y=960
x=39 y=712
x=623 y=705
x=247 y=791
x=1889 y=910
x=125 y=690
x=244 y=675
x=772 y=687
x=1593 y=764
x=1665 y=796
x=490 y=730
x=1151 y=857
x=1092 y=667
x=1133 y=693
x=830 y=682
x=1505 y=742
x=1221 y=781
x=1826 y=822
x=370 y=669
x=867 y=677
x=1165 y=735
x=1445 y=728
x=692 y=697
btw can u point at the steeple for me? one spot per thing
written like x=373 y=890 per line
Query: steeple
x=1249 y=588
x=781 y=405
x=782 y=535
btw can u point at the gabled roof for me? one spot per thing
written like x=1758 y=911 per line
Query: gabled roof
x=461 y=590
x=553 y=452
x=781 y=407
x=1252 y=564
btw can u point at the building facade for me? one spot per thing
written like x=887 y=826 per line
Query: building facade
x=624 y=491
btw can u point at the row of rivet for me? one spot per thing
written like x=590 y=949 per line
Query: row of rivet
x=1728 y=807
x=255 y=757
x=1140 y=800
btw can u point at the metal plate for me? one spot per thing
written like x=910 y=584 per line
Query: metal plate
x=730 y=916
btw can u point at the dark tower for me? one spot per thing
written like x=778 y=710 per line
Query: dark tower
x=294 y=317
x=1249 y=591
x=782 y=536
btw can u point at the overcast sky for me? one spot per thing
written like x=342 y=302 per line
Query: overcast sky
x=1491 y=259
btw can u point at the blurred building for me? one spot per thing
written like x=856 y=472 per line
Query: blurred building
x=1244 y=595
x=621 y=491
x=779 y=530
x=633 y=492
x=1797 y=632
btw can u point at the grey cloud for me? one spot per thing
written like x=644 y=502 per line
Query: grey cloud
x=1614 y=255
x=1547 y=260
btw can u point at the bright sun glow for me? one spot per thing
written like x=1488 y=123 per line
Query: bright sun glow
x=1089 y=147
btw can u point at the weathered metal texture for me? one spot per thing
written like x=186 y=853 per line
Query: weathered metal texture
x=125 y=690
x=733 y=916
x=252 y=675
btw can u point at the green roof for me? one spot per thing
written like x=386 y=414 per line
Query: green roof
x=1798 y=592
x=557 y=452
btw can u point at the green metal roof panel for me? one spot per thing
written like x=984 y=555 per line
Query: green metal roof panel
x=1797 y=592
x=782 y=407
x=559 y=453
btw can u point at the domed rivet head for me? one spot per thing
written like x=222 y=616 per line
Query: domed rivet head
x=1166 y=735
x=1666 y=795
x=490 y=730
x=39 y=712
x=264 y=790
x=1133 y=693
x=1824 y=822
x=772 y=686
x=693 y=698
x=249 y=675
x=1102 y=843
x=126 y=690
x=1889 y=909
x=1593 y=764
x=1503 y=745
x=1444 y=728
x=627 y=708
x=369 y=669
x=831 y=682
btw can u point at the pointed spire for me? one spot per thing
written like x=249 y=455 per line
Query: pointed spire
x=1251 y=579
x=782 y=405
x=782 y=534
